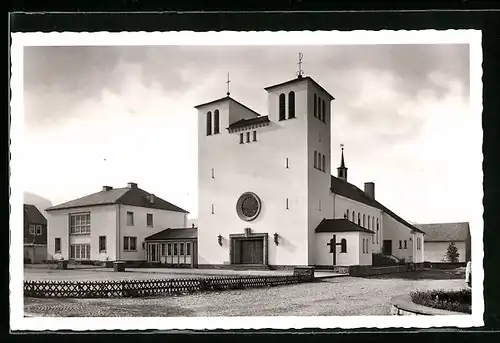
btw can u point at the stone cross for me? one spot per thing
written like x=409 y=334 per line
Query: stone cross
x=333 y=248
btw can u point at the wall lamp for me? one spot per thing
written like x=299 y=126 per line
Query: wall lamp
x=276 y=241
x=219 y=240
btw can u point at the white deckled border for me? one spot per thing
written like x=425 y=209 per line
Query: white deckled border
x=19 y=40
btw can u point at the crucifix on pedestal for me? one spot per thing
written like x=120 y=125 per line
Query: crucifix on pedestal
x=333 y=248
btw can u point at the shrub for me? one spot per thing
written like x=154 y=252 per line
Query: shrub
x=452 y=253
x=381 y=260
x=455 y=301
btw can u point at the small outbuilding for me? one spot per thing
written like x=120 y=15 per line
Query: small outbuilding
x=173 y=247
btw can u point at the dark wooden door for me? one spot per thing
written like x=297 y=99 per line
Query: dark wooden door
x=252 y=251
x=387 y=247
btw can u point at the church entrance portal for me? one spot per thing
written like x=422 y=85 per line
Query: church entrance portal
x=248 y=249
x=387 y=247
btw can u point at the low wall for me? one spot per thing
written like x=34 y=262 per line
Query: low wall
x=444 y=265
x=370 y=270
x=142 y=288
x=403 y=306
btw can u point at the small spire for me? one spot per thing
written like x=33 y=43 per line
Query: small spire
x=228 y=81
x=342 y=163
x=300 y=72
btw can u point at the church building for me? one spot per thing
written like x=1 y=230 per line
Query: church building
x=267 y=196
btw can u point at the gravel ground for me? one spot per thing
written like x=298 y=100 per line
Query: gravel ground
x=342 y=296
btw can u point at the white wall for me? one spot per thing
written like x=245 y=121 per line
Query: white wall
x=258 y=167
x=342 y=204
x=323 y=257
x=436 y=251
x=161 y=220
x=103 y=223
x=366 y=257
x=395 y=231
x=319 y=182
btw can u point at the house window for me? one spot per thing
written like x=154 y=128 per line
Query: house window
x=38 y=230
x=169 y=249
x=102 y=243
x=377 y=235
x=175 y=249
x=378 y=232
x=248 y=137
x=363 y=220
x=343 y=245
x=324 y=163
x=181 y=249
x=163 y=249
x=323 y=113
x=400 y=244
x=79 y=223
x=216 y=122
x=255 y=136
x=363 y=245
x=368 y=222
x=315 y=105
x=188 y=249
x=282 y=106
x=149 y=219
x=57 y=244
x=315 y=159
x=129 y=243
x=291 y=105
x=79 y=251
x=353 y=216
x=406 y=247
x=319 y=108
x=130 y=218
x=32 y=229
x=359 y=218
x=209 y=123
x=241 y=138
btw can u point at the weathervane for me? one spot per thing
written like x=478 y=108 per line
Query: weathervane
x=300 y=72
x=228 y=81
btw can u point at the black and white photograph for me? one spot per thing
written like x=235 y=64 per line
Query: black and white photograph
x=204 y=178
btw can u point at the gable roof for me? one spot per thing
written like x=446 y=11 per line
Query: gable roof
x=340 y=225
x=33 y=215
x=181 y=233
x=341 y=187
x=125 y=196
x=229 y=99
x=445 y=232
x=258 y=121
x=300 y=79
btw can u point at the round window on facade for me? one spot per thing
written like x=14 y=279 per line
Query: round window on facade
x=248 y=206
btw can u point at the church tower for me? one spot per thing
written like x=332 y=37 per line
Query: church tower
x=342 y=170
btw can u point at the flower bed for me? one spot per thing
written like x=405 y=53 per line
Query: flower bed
x=456 y=301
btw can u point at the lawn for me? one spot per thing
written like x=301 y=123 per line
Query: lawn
x=342 y=296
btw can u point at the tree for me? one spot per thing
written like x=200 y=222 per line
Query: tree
x=452 y=253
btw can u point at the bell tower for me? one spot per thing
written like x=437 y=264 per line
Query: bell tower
x=342 y=170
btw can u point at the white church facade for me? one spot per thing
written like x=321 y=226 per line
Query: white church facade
x=267 y=196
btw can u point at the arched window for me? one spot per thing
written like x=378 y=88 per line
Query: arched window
x=282 y=106
x=324 y=164
x=209 y=123
x=291 y=105
x=368 y=222
x=315 y=105
x=323 y=116
x=347 y=214
x=373 y=239
x=315 y=159
x=353 y=216
x=359 y=218
x=319 y=160
x=373 y=223
x=319 y=107
x=216 y=122
x=343 y=245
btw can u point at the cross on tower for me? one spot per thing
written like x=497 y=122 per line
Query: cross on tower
x=342 y=147
x=300 y=72
x=228 y=81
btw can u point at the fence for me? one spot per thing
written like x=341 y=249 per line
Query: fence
x=142 y=288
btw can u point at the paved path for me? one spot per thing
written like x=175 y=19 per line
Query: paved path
x=337 y=296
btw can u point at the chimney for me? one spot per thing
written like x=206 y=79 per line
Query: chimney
x=152 y=198
x=106 y=188
x=132 y=185
x=370 y=190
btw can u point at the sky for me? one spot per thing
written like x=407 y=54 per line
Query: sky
x=110 y=115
